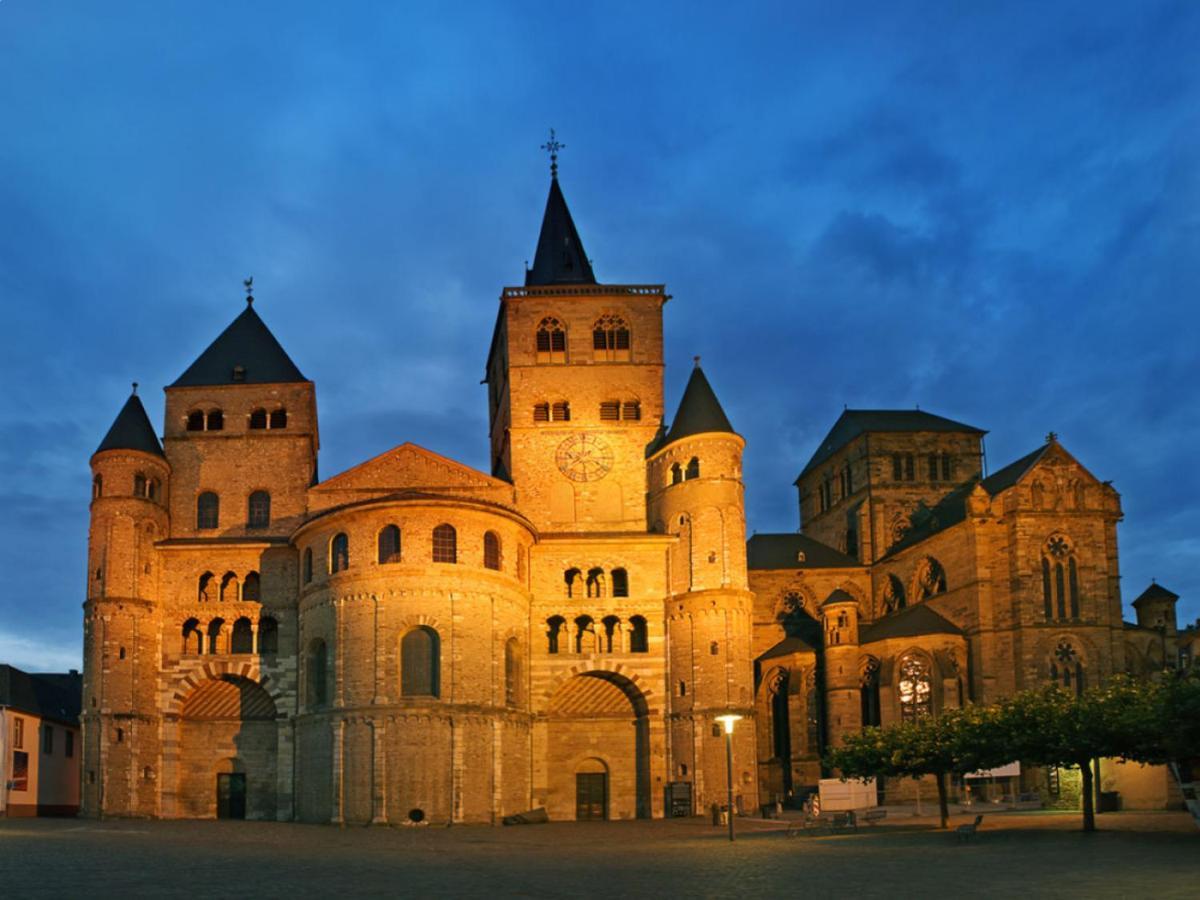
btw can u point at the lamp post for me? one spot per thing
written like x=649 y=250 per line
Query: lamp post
x=727 y=720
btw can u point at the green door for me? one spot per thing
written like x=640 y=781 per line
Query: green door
x=231 y=796
x=591 y=795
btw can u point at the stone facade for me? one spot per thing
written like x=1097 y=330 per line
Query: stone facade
x=415 y=639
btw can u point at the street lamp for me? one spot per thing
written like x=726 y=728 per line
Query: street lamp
x=727 y=720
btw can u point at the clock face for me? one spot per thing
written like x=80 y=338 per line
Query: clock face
x=584 y=457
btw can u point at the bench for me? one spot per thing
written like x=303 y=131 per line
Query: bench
x=846 y=821
x=966 y=832
x=875 y=815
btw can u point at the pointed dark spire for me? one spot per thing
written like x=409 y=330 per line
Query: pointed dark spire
x=560 y=258
x=699 y=410
x=131 y=430
x=244 y=353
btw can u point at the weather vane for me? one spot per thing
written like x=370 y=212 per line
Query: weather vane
x=552 y=147
x=249 y=284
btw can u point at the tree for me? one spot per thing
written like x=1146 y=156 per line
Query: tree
x=956 y=742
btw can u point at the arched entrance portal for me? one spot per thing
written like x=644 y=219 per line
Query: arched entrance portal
x=598 y=749
x=228 y=750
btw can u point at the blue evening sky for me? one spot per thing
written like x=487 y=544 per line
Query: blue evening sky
x=990 y=210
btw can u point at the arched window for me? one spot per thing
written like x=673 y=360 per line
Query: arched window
x=869 y=690
x=215 y=420
x=585 y=635
x=554 y=626
x=445 y=544
x=318 y=674
x=620 y=583
x=139 y=485
x=195 y=420
x=893 y=595
x=676 y=473
x=610 y=339
x=97 y=487
x=153 y=489
x=915 y=688
x=631 y=411
x=1066 y=668
x=268 y=636
x=420 y=663
x=551 y=341
x=595 y=583
x=229 y=588
x=252 y=588
x=1060 y=578
x=214 y=635
x=611 y=623
x=307 y=566
x=560 y=411
x=278 y=418
x=491 y=550
x=639 y=640
x=193 y=638
x=693 y=469
x=242 y=639
x=781 y=745
x=202 y=587
x=339 y=553
x=258 y=419
x=931 y=578
x=260 y=510
x=574 y=580
x=512 y=673
x=207 y=510
x=389 y=544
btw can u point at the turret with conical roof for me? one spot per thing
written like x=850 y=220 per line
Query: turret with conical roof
x=1155 y=608
x=122 y=617
x=843 y=708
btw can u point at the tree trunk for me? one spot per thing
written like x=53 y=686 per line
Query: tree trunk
x=1089 y=805
x=943 y=806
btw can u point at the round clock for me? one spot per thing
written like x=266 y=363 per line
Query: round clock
x=584 y=457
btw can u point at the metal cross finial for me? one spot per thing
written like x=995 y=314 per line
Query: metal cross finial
x=552 y=147
x=135 y=388
x=249 y=284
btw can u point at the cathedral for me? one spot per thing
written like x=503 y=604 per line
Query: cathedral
x=417 y=640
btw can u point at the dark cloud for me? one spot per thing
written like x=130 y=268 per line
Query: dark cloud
x=989 y=213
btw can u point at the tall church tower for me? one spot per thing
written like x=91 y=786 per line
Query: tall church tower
x=122 y=618
x=574 y=380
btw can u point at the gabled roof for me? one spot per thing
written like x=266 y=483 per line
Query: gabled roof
x=247 y=344
x=410 y=466
x=911 y=622
x=57 y=696
x=699 y=410
x=560 y=258
x=1013 y=472
x=854 y=422
x=131 y=430
x=787 y=647
x=783 y=551
x=1155 y=592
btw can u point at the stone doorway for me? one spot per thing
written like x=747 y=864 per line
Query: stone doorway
x=231 y=795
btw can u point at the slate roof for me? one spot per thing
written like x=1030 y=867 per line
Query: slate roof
x=838 y=596
x=911 y=622
x=699 y=410
x=560 y=258
x=131 y=430
x=1005 y=478
x=787 y=647
x=246 y=343
x=1155 y=592
x=854 y=422
x=56 y=696
x=782 y=551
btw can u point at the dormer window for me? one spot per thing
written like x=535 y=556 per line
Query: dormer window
x=239 y=374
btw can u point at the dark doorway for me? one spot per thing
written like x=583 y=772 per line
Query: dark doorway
x=231 y=796
x=591 y=795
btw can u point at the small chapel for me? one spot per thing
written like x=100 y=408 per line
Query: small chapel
x=414 y=639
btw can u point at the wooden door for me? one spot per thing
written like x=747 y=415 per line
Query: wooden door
x=231 y=796
x=591 y=795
